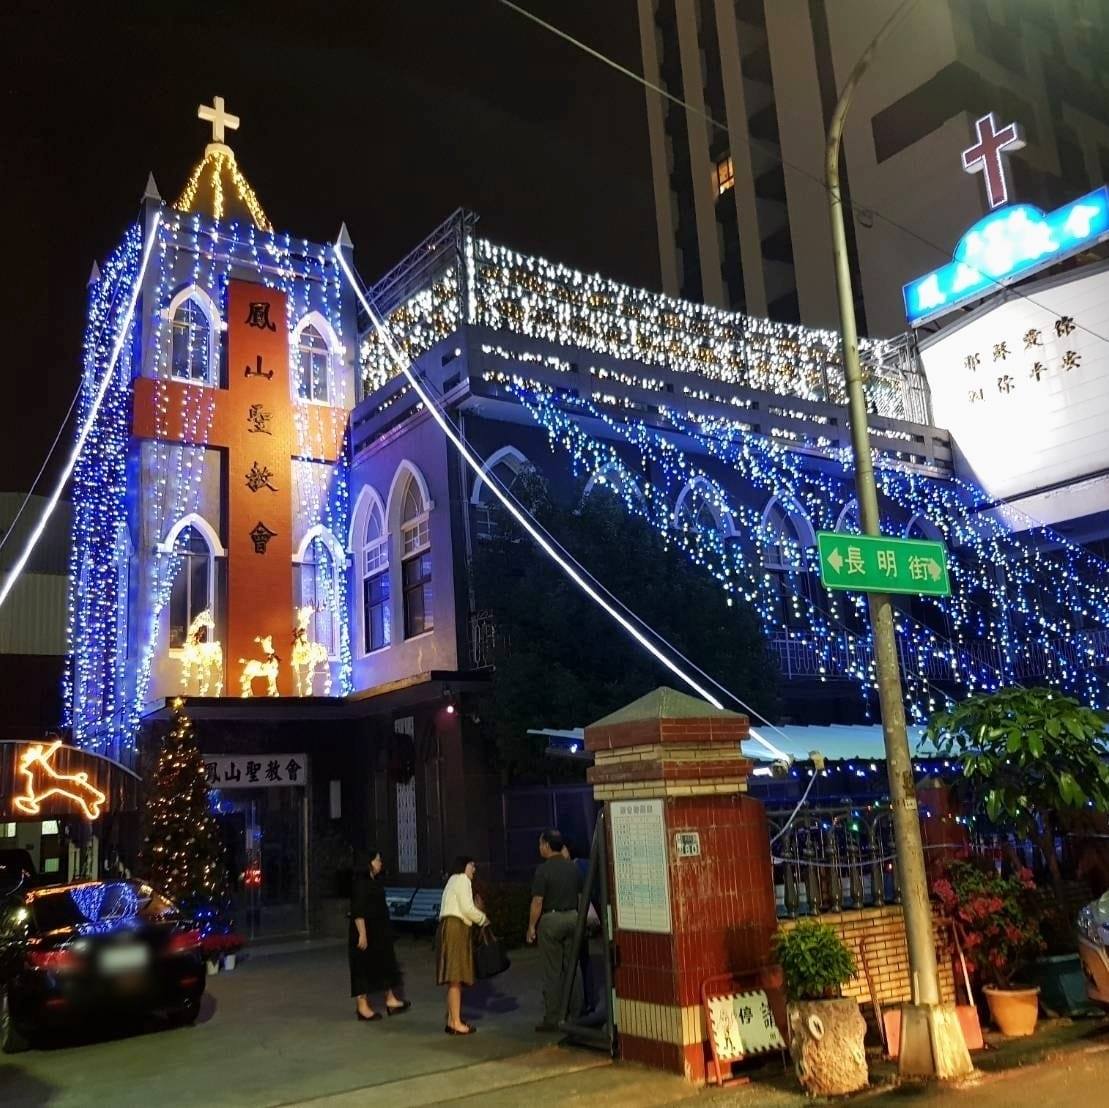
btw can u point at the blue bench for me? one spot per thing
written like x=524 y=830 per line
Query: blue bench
x=415 y=906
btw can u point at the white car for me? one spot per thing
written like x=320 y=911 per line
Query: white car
x=1093 y=949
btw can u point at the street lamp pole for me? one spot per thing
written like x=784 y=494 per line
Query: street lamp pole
x=932 y=1043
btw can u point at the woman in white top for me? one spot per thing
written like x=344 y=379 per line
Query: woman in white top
x=454 y=943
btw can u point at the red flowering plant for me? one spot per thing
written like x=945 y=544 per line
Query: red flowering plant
x=995 y=918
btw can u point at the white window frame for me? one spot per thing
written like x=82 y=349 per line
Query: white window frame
x=338 y=566
x=378 y=550
x=216 y=325
x=201 y=526
x=335 y=353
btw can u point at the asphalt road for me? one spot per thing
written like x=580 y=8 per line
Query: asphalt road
x=280 y=1030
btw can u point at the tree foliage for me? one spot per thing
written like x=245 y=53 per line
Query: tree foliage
x=563 y=662
x=1029 y=754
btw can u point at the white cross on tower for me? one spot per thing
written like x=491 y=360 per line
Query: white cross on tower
x=217 y=117
x=985 y=156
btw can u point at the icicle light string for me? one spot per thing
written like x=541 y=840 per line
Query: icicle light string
x=521 y=518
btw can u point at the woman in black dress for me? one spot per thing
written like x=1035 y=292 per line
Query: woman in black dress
x=373 y=962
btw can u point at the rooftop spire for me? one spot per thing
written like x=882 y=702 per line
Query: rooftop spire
x=216 y=185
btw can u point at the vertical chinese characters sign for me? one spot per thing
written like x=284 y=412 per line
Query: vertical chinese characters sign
x=640 y=864
x=259 y=426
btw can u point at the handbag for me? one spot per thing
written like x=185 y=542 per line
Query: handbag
x=489 y=955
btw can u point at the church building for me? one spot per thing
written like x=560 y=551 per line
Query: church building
x=270 y=522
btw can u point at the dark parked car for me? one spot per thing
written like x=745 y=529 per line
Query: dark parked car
x=69 y=953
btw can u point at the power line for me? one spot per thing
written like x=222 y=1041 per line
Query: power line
x=775 y=152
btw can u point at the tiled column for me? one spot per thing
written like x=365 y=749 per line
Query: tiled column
x=721 y=900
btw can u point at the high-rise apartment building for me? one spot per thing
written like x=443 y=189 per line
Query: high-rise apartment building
x=741 y=207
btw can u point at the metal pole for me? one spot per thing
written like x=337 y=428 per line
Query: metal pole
x=922 y=1052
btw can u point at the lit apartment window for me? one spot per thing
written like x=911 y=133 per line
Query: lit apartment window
x=724 y=175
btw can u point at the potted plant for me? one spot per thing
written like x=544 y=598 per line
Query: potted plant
x=997 y=924
x=1036 y=761
x=232 y=944
x=827 y=1030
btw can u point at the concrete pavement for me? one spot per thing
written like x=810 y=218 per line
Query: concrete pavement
x=280 y=1031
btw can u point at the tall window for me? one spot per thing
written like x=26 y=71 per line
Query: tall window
x=786 y=539
x=312 y=362
x=193 y=587
x=513 y=472
x=376 y=621
x=191 y=344
x=416 y=562
x=319 y=586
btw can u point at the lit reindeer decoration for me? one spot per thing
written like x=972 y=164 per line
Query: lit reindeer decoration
x=202 y=656
x=309 y=657
x=266 y=667
x=43 y=781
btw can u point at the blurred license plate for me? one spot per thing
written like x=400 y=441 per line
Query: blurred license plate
x=124 y=959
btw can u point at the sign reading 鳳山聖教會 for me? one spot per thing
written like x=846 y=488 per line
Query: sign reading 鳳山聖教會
x=866 y=563
x=255 y=771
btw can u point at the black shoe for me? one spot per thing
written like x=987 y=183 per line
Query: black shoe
x=544 y=1026
x=368 y=1019
x=396 y=1009
x=451 y=1031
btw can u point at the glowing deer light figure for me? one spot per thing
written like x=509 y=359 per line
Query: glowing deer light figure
x=266 y=667
x=309 y=658
x=43 y=781
x=202 y=656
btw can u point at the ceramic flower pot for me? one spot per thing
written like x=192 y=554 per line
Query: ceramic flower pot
x=213 y=966
x=1014 y=1011
x=826 y=1043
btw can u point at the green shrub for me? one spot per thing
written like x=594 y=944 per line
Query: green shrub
x=815 y=961
x=506 y=903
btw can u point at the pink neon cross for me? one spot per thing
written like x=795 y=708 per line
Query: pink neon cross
x=985 y=156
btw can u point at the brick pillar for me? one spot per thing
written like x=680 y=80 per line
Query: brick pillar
x=673 y=778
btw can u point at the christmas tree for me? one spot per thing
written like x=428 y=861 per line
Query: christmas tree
x=182 y=854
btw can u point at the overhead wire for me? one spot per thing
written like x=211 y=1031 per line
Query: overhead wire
x=579 y=577
x=775 y=152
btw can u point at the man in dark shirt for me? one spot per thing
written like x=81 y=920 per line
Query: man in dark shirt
x=554 y=909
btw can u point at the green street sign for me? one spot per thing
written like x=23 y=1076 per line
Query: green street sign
x=864 y=563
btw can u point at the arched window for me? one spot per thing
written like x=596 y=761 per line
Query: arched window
x=415 y=540
x=614 y=480
x=376 y=612
x=786 y=537
x=191 y=344
x=318 y=586
x=849 y=521
x=194 y=585
x=921 y=527
x=313 y=359
x=508 y=466
x=700 y=508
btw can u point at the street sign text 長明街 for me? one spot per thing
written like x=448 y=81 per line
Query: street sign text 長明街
x=865 y=563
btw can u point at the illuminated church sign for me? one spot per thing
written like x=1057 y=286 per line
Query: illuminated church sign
x=1013 y=241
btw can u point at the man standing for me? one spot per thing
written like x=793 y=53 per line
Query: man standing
x=554 y=908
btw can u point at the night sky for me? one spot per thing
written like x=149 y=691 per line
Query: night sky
x=385 y=113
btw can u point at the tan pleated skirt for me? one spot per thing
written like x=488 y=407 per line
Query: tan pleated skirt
x=454 y=952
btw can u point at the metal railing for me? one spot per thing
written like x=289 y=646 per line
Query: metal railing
x=847 y=655
x=841 y=858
